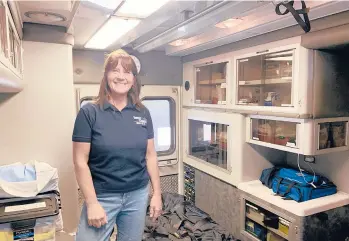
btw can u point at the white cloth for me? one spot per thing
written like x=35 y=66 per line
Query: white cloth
x=45 y=179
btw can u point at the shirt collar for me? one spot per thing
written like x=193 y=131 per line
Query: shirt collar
x=107 y=105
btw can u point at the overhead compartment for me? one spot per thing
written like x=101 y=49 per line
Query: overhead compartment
x=302 y=136
x=280 y=78
x=290 y=81
x=327 y=38
x=206 y=82
x=11 y=61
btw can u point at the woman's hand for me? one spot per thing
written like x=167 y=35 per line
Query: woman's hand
x=96 y=215
x=155 y=207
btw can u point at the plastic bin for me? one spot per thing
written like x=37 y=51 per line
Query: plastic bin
x=29 y=219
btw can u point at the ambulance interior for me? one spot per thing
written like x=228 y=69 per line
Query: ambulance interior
x=233 y=87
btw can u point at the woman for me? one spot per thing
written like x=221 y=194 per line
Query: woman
x=114 y=157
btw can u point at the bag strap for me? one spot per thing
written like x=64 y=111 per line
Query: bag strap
x=288 y=189
x=278 y=185
x=305 y=24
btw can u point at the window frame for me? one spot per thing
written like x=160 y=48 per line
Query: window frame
x=190 y=155
x=172 y=104
x=88 y=98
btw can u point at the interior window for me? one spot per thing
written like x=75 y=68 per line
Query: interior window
x=163 y=116
x=85 y=100
x=208 y=142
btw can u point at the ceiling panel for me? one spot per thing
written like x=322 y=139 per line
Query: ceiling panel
x=255 y=22
x=88 y=19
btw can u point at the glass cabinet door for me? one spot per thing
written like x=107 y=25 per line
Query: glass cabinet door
x=208 y=142
x=266 y=79
x=275 y=132
x=18 y=55
x=332 y=135
x=210 y=85
x=3 y=31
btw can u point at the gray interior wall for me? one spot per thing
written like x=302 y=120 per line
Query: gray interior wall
x=157 y=68
x=316 y=25
x=46 y=33
x=220 y=200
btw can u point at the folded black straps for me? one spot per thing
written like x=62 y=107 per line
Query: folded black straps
x=305 y=24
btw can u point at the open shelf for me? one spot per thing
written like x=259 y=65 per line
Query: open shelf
x=260 y=222
x=303 y=209
x=285 y=80
x=249 y=236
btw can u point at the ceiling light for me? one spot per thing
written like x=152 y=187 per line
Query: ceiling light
x=108 y=4
x=112 y=30
x=229 y=23
x=140 y=8
x=180 y=42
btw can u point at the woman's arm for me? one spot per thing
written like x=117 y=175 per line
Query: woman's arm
x=153 y=170
x=96 y=214
x=81 y=152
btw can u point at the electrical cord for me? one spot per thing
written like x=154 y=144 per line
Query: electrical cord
x=299 y=167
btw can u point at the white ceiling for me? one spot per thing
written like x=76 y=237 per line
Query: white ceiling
x=84 y=18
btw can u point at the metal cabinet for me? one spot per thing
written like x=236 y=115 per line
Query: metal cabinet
x=11 y=52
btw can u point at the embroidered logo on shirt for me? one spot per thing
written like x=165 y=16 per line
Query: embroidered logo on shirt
x=140 y=121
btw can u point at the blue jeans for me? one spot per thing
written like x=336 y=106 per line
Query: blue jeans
x=127 y=210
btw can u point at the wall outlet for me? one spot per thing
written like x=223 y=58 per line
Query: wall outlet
x=309 y=159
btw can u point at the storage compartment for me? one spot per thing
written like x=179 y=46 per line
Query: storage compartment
x=274 y=237
x=210 y=86
x=44 y=229
x=306 y=137
x=3 y=32
x=264 y=224
x=274 y=132
x=332 y=134
x=208 y=142
x=11 y=62
x=284 y=226
x=15 y=48
x=29 y=219
x=266 y=79
x=256 y=230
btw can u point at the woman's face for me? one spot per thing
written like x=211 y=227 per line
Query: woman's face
x=120 y=80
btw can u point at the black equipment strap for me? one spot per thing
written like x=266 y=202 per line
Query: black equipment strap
x=305 y=24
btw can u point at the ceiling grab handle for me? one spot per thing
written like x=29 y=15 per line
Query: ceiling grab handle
x=305 y=24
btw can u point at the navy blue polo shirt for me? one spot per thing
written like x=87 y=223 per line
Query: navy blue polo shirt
x=117 y=158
